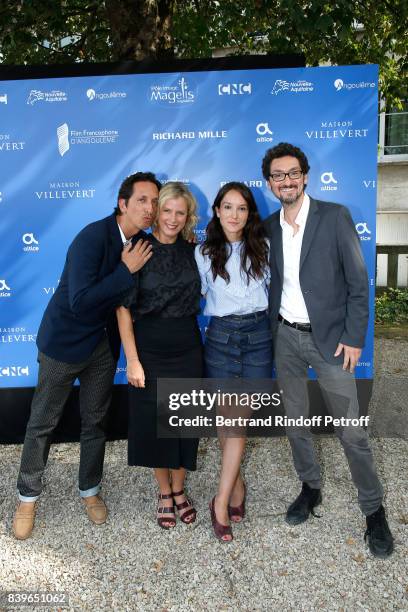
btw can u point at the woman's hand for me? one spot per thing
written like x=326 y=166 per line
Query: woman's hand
x=135 y=373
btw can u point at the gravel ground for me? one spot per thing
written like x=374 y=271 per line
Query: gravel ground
x=131 y=564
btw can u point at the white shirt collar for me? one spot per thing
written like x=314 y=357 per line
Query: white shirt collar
x=122 y=235
x=302 y=214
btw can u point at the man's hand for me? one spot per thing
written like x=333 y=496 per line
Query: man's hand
x=351 y=356
x=135 y=373
x=135 y=258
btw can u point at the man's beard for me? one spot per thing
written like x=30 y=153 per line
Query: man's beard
x=288 y=200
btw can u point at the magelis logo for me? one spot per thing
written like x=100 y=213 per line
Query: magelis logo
x=179 y=93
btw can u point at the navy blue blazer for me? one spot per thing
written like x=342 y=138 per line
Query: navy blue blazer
x=92 y=284
x=332 y=275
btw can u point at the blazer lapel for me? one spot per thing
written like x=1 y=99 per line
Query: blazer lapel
x=276 y=245
x=312 y=222
x=115 y=240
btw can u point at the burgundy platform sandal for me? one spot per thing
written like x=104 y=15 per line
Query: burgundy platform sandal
x=190 y=512
x=237 y=511
x=219 y=529
x=161 y=520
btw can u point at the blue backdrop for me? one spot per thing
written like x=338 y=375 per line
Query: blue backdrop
x=67 y=143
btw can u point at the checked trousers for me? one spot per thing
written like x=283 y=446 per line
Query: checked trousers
x=55 y=381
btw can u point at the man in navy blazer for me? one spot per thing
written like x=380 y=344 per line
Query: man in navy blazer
x=319 y=314
x=78 y=338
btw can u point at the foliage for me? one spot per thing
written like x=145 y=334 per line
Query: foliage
x=336 y=32
x=392 y=306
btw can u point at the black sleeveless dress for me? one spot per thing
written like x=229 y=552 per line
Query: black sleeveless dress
x=164 y=305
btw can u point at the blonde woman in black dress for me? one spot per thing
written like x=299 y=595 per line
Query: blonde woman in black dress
x=161 y=339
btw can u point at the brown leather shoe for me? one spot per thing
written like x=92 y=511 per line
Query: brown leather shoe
x=96 y=509
x=23 y=521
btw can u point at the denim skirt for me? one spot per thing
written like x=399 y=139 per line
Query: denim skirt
x=239 y=346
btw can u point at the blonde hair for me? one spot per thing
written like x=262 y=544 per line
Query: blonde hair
x=175 y=189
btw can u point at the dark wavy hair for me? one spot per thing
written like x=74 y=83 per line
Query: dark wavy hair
x=126 y=188
x=254 y=254
x=282 y=150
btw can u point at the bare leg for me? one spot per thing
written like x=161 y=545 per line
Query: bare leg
x=163 y=480
x=232 y=451
x=177 y=484
x=237 y=494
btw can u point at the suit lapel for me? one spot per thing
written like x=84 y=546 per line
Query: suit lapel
x=312 y=222
x=115 y=240
x=276 y=245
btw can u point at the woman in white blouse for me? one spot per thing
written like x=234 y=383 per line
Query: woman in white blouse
x=234 y=270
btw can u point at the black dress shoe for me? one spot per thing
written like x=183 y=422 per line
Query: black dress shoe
x=378 y=534
x=299 y=510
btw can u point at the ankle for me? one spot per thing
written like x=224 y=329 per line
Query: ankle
x=221 y=501
x=179 y=493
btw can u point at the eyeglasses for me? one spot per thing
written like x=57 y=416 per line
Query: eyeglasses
x=278 y=177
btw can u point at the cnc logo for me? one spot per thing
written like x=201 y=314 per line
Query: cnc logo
x=55 y=95
x=5 y=290
x=234 y=89
x=363 y=231
x=31 y=244
x=339 y=85
x=178 y=93
x=14 y=371
x=329 y=183
x=264 y=133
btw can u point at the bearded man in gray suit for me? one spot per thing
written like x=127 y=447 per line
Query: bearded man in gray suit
x=319 y=314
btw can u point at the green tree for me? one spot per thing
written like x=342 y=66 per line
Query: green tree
x=336 y=32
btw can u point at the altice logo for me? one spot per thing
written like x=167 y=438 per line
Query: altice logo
x=63 y=140
x=31 y=244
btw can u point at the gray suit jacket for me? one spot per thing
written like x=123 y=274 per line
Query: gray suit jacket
x=332 y=274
